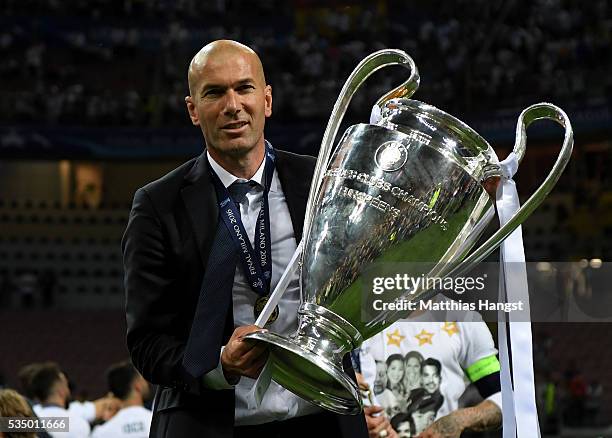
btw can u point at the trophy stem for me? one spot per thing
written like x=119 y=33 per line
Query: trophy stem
x=340 y=336
x=309 y=362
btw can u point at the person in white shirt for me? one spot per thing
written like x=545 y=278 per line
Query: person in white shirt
x=49 y=385
x=133 y=420
x=100 y=409
x=448 y=356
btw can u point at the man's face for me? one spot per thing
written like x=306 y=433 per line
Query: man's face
x=403 y=430
x=422 y=420
x=381 y=377
x=230 y=102
x=430 y=379
x=63 y=387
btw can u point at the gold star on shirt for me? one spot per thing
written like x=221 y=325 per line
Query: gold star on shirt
x=424 y=337
x=450 y=328
x=395 y=338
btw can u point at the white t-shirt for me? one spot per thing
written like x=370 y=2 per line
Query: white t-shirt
x=78 y=427
x=131 y=422
x=86 y=410
x=420 y=368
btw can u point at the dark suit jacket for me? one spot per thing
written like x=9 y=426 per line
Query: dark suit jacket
x=165 y=249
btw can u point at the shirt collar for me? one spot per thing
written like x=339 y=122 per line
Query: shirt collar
x=227 y=179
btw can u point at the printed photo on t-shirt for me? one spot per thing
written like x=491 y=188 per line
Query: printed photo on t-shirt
x=408 y=388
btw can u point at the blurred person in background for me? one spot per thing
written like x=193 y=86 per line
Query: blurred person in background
x=101 y=409
x=49 y=386
x=133 y=419
x=12 y=404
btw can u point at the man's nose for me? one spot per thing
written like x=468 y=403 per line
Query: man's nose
x=232 y=103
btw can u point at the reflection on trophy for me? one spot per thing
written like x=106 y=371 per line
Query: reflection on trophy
x=416 y=185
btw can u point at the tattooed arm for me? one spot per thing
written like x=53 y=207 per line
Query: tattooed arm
x=482 y=417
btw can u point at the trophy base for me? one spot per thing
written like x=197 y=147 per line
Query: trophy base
x=309 y=375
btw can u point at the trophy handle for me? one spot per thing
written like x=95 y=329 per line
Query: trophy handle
x=529 y=115
x=364 y=69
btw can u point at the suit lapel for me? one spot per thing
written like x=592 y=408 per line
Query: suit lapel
x=201 y=204
x=295 y=179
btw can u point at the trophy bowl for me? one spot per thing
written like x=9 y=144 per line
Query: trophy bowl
x=417 y=185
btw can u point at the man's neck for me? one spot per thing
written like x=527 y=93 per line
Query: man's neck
x=132 y=401
x=56 y=400
x=243 y=166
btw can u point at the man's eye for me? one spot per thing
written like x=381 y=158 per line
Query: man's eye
x=212 y=92
x=246 y=87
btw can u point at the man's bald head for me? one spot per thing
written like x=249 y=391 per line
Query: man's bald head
x=230 y=101
x=218 y=51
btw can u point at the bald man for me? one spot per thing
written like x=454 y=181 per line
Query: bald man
x=204 y=246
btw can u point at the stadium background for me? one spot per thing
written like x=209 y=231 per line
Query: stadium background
x=92 y=108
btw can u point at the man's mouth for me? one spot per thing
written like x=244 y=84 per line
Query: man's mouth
x=235 y=125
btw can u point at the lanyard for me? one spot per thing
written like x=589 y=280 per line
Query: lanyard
x=256 y=263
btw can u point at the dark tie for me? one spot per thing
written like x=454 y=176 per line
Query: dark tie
x=239 y=189
x=206 y=336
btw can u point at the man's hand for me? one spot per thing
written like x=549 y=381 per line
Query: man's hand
x=379 y=426
x=242 y=357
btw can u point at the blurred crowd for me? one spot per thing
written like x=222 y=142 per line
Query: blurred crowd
x=47 y=393
x=123 y=62
x=571 y=395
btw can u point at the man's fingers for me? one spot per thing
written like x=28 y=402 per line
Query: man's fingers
x=252 y=360
x=369 y=410
x=374 y=423
x=381 y=426
x=244 y=330
x=391 y=432
x=255 y=369
x=243 y=356
x=245 y=353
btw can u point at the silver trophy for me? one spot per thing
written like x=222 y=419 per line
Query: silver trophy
x=418 y=185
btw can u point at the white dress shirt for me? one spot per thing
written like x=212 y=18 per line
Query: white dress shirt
x=278 y=403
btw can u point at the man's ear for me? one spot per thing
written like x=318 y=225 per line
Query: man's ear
x=193 y=111
x=268 y=98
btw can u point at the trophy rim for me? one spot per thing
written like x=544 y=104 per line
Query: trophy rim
x=478 y=145
x=351 y=405
x=443 y=116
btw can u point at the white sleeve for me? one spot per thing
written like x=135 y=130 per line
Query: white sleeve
x=476 y=343
x=215 y=379
x=95 y=433
x=79 y=428
x=497 y=399
x=85 y=410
